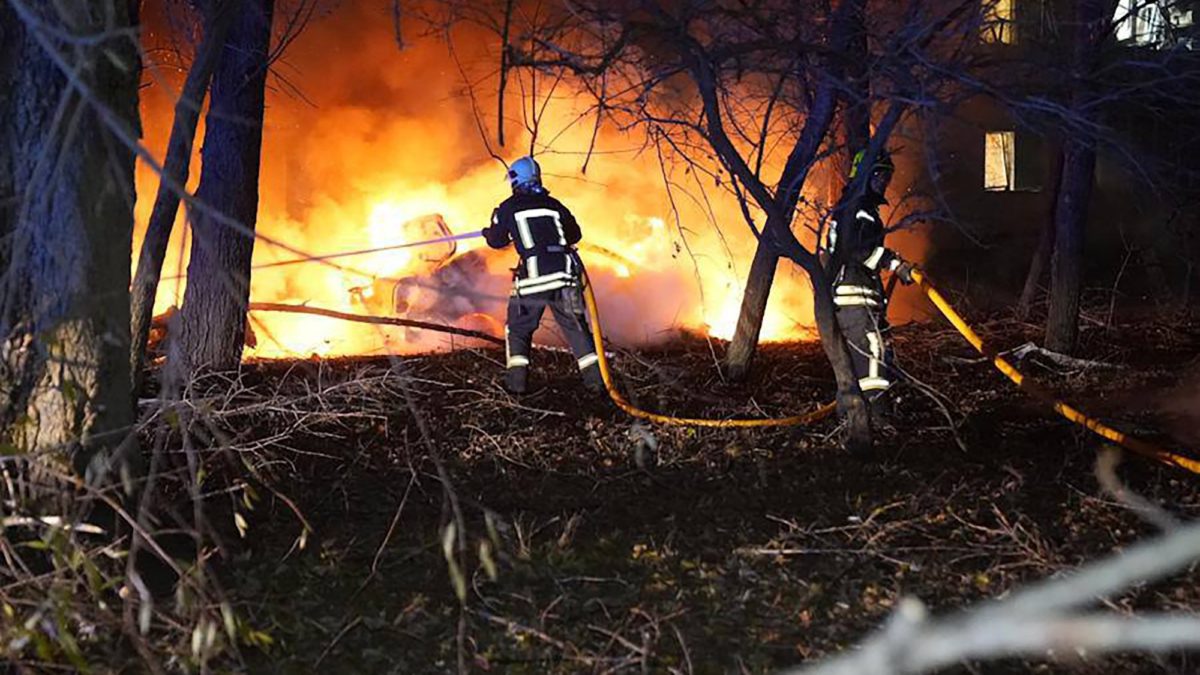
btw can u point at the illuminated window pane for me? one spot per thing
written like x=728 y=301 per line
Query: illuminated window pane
x=1144 y=22
x=999 y=21
x=999 y=161
x=1125 y=17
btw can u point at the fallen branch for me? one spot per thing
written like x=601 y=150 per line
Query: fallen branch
x=378 y=320
x=1038 y=621
x=1106 y=475
x=1030 y=349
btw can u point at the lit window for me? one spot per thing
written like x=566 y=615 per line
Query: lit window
x=1151 y=22
x=1000 y=161
x=999 y=22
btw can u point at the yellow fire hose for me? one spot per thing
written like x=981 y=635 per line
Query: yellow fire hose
x=605 y=373
x=1074 y=415
x=1096 y=426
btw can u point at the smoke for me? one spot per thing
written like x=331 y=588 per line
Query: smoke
x=361 y=138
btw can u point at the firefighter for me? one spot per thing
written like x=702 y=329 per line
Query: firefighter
x=548 y=274
x=857 y=255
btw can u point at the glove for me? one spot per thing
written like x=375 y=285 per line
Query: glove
x=904 y=272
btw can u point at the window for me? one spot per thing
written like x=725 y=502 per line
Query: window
x=1154 y=23
x=999 y=22
x=1140 y=22
x=1000 y=161
x=1013 y=161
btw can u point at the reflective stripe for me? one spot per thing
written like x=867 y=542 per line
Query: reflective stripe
x=873 y=384
x=855 y=290
x=559 y=278
x=539 y=288
x=865 y=215
x=855 y=301
x=875 y=346
x=534 y=281
x=518 y=361
x=523 y=231
x=523 y=218
x=588 y=360
x=532 y=267
x=872 y=260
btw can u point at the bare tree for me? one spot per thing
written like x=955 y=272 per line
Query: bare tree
x=1041 y=256
x=748 y=95
x=213 y=315
x=217 y=17
x=1099 y=88
x=69 y=76
x=1038 y=620
x=1093 y=21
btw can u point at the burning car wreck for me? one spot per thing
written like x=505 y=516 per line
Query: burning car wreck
x=464 y=290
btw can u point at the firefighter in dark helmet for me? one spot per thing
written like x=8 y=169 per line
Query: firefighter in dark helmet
x=855 y=246
x=544 y=233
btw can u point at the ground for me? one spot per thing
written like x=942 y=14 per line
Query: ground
x=593 y=543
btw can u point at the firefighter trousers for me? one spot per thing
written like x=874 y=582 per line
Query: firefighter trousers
x=867 y=335
x=524 y=317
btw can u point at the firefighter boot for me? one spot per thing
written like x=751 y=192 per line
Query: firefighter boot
x=516 y=380
x=592 y=379
x=881 y=412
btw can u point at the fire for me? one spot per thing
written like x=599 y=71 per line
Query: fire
x=393 y=155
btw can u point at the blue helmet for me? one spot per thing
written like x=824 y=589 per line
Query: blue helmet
x=525 y=174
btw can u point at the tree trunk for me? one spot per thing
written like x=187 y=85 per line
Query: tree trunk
x=762 y=269
x=816 y=125
x=851 y=404
x=1037 y=269
x=750 y=318
x=66 y=215
x=1062 y=319
x=1092 y=24
x=213 y=316
x=856 y=99
x=175 y=176
x=1041 y=257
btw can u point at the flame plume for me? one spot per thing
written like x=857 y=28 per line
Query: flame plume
x=384 y=148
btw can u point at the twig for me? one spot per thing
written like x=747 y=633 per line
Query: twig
x=1106 y=475
x=337 y=638
x=1035 y=620
x=378 y=320
x=517 y=628
x=387 y=537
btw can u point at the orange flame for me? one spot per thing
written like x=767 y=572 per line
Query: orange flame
x=392 y=139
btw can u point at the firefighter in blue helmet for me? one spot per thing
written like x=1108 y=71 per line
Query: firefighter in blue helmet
x=544 y=233
x=857 y=256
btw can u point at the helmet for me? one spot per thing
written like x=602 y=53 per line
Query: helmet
x=525 y=174
x=882 y=161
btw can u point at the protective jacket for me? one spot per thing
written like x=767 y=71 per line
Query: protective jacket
x=544 y=233
x=856 y=250
x=855 y=246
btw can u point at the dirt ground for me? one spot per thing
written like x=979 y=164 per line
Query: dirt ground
x=593 y=543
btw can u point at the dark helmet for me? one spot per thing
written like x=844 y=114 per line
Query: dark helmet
x=882 y=161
